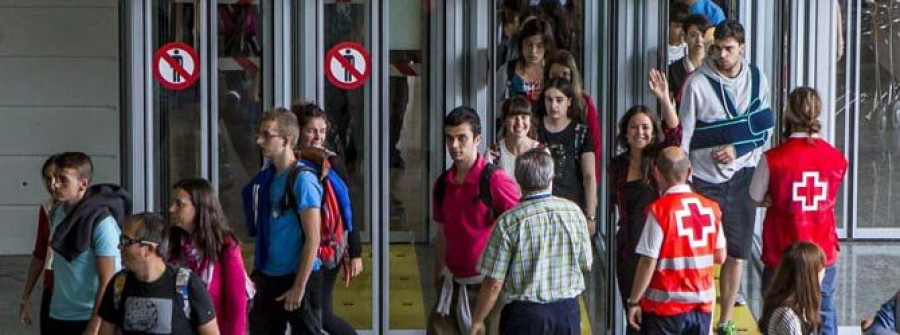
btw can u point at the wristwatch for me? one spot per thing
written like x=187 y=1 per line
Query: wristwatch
x=633 y=303
x=592 y=217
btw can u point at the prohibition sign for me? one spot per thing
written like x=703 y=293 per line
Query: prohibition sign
x=176 y=66
x=347 y=65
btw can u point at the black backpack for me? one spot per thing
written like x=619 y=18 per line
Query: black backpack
x=484 y=186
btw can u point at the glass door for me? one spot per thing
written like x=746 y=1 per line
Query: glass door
x=177 y=115
x=236 y=95
x=206 y=130
x=407 y=63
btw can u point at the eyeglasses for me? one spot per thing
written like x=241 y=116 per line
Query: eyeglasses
x=125 y=241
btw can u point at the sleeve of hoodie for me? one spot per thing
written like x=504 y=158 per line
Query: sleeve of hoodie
x=687 y=113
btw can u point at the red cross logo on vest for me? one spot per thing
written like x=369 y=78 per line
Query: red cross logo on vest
x=695 y=222
x=809 y=191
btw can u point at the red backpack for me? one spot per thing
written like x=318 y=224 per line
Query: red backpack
x=333 y=232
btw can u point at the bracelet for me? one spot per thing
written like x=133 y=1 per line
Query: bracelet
x=25 y=302
x=633 y=303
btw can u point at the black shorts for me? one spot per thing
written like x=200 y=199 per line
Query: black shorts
x=738 y=211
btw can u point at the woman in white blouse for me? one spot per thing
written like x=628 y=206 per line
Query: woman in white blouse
x=791 y=303
x=518 y=134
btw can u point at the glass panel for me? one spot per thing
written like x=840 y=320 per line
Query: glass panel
x=348 y=110
x=412 y=265
x=844 y=100
x=239 y=54
x=176 y=114
x=879 y=115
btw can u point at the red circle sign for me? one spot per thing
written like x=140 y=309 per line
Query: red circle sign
x=348 y=65
x=176 y=66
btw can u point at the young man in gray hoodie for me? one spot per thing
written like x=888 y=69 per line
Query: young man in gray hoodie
x=726 y=121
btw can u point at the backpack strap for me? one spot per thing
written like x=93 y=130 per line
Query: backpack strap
x=290 y=199
x=182 y=289
x=484 y=185
x=440 y=187
x=118 y=287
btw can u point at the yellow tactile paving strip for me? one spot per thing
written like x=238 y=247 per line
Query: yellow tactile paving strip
x=354 y=303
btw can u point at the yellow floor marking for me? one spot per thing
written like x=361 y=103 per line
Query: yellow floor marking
x=354 y=303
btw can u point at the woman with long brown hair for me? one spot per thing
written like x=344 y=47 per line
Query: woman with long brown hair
x=791 y=304
x=202 y=241
x=641 y=136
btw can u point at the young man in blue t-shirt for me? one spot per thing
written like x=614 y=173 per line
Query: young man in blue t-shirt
x=286 y=272
x=85 y=243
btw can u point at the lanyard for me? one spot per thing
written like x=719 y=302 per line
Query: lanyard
x=537 y=196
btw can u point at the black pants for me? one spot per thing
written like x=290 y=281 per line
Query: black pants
x=330 y=322
x=268 y=317
x=44 y=318
x=557 y=318
x=63 y=327
x=626 y=265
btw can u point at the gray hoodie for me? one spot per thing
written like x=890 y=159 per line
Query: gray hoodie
x=699 y=102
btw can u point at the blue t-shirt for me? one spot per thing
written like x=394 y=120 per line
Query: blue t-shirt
x=710 y=10
x=75 y=283
x=285 y=233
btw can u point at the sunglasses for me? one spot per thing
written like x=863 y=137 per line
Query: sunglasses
x=125 y=241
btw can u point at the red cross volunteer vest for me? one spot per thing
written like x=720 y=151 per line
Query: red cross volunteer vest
x=803 y=183
x=683 y=280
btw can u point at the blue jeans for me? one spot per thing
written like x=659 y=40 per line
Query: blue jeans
x=829 y=284
x=693 y=322
x=884 y=322
x=829 y=315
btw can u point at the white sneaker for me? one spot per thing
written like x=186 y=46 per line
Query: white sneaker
x=740 y=300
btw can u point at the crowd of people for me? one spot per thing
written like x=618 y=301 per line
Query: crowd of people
x=513 y=244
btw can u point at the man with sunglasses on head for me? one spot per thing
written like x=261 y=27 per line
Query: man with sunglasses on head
x=150 y=296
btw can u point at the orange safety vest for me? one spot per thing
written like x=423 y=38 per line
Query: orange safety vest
x=683 y=280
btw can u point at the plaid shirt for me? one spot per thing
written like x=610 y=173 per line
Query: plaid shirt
x=539 y=248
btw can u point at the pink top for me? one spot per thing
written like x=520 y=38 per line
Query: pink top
x=226 y=281
x=466 y=220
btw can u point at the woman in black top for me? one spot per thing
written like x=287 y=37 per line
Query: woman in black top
x=563 y=132
x=630 y=180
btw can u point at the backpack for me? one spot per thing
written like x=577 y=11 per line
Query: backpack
x=182 y=289
x=334 y=227
x=484 y=186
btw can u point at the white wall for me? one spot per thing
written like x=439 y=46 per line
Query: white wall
x=59 y=91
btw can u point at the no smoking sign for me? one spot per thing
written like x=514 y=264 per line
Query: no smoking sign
x=176 y=66
x=347 y=65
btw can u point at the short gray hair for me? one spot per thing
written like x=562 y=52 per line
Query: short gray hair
x=153 y=229
x=534 y=170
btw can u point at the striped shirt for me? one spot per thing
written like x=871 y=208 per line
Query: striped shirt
x=784 y=322
x=539 y=248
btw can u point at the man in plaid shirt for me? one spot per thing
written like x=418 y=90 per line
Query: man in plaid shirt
x=539 y=250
